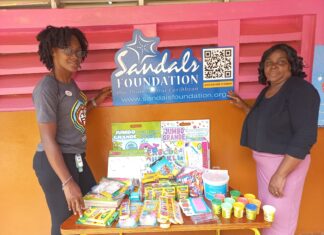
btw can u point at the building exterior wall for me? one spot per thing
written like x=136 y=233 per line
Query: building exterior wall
x=249 y=26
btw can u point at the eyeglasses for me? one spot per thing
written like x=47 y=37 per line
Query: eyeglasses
x=269 y=63
x=70 y=52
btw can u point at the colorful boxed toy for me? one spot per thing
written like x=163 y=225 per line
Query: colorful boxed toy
x=98 y=216
x=187 y=139
x=137 y=135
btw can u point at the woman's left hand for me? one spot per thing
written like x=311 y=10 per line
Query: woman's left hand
x=278 y=180
x=103 y=94
x=277 y=185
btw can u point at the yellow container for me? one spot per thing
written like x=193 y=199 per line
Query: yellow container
x=238 y=209
x=220 y=196
x=251 y=211
x=229 y=200
x=216 y=206
x=226 y=210
x=244 y=200
x=235 y=194
x=249 y=196
x=256 y=202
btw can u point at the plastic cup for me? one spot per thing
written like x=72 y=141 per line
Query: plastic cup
x=216 y=206
x=243 y=200
x=269 y=213
x=251 y=211
x=229 y=200
x=235 y=194
x=220 y=196
x=238 y=209
x=226 y=210
x=256 y=202
x=249 y=196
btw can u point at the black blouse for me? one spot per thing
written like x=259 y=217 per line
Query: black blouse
x=286 y=123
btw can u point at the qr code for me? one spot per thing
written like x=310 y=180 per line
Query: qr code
x=218 y=63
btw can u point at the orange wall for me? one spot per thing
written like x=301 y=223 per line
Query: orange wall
x=24 y=210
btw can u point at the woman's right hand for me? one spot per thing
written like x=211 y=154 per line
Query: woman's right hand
x=73 y=197
x=71 y=189
x=238 y=101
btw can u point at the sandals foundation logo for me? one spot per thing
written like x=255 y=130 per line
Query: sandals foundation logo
x=146 y=76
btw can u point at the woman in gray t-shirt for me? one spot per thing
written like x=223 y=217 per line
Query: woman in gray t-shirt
x=61 y=109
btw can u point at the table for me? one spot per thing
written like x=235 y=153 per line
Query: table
x=69 y=226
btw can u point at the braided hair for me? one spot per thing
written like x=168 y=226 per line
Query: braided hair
x=295 y=61
x=58 y=37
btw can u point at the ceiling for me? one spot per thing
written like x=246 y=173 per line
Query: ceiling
x=23 y=4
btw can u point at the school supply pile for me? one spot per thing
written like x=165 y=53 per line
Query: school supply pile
x=108 y=193
x=158 y=172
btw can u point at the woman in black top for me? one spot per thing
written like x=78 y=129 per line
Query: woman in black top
x=281 y=128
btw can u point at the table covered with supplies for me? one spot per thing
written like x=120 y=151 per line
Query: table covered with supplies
x=70 y=227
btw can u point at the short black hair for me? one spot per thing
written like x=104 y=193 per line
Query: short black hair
x=58 y=37
x=295 y=61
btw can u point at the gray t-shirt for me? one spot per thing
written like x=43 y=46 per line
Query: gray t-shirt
x=65 y=105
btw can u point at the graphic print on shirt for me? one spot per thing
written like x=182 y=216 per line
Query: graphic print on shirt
x=79 y=113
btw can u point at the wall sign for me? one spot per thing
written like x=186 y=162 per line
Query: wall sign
x=318 y=79
x=146 y=76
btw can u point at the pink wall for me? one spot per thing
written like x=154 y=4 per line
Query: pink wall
x=249 y=26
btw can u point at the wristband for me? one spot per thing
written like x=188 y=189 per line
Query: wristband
x=93 y=102
x=66 y=181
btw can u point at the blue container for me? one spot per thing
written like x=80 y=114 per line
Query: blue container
x=214 y=183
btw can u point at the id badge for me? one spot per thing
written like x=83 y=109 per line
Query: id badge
x=79 y=162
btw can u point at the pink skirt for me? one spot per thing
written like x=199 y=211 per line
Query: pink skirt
x=287 y=207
